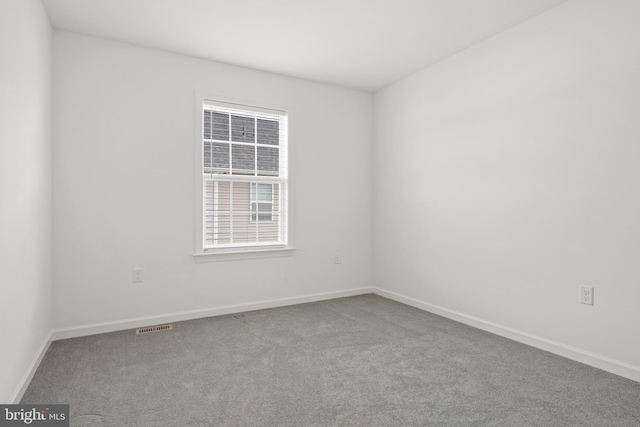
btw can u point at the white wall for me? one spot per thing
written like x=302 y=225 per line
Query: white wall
x=124 y=185
x=25 y=190
x=507 y=175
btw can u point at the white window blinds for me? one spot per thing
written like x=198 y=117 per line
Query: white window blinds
x=244 y=172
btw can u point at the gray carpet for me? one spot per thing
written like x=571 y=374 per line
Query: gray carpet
x=360 y=361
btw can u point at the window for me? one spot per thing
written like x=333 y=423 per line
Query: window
x=261 y=202
x=244 y=177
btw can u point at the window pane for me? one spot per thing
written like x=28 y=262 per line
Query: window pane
x=207 y=124
x=265 y=192
x=243 y=159
x=207 y=161
x=264 y=207
x=264 y=211
x=268 y=131
x=216 y=156
x=220 y=128
x=268 y=161
x=242 y=129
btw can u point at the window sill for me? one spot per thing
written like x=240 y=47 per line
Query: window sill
x=235 y=254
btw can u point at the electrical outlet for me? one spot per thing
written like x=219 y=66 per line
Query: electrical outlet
x=337 y=258
x=138 y=275
x=586 y=295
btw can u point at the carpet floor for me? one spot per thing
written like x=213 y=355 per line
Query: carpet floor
x=358 y=361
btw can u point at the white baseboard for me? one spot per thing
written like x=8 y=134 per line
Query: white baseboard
x=623 y=369
x=31 y=370
x=119 y=325
x=597 y=361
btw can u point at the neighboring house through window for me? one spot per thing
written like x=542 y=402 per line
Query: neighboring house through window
x=261 y=202
x=244 y=176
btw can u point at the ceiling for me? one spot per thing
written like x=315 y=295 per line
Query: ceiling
x=361 y=44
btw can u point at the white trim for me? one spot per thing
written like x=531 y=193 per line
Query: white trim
x=31 y=370
x=119 y=325
x=248 y=144
x=243 y=178
x=238 y=107
x=238 y=253
x=199 y=218
x=579 y=355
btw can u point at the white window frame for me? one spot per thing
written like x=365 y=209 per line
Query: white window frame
x=286 y=197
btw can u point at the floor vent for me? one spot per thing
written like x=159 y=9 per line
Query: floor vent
x=153 y=329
